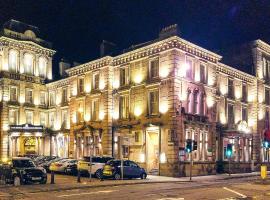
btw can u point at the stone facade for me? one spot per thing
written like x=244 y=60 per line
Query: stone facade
x=141 y=105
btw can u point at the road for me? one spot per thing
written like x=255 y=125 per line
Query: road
x=240 y=188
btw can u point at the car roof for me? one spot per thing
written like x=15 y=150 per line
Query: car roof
x=21 y=158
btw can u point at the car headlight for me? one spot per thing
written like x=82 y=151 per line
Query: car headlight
x=23 y=172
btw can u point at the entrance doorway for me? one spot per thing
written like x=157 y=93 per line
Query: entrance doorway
x=30 y=145
x=152 y=154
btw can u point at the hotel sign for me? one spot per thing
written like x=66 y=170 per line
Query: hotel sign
x=25 y=128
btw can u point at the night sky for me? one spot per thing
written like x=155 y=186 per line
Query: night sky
x=76 y=27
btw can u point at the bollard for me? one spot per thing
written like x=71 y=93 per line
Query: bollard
x=79 y=176
x=52 y=177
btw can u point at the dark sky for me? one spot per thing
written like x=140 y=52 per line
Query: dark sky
x=76 y=27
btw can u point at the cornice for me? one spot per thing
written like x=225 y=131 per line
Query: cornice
x=262 y=45
x=59 y=83
x=235 y=73
x=95 y=64
x=26 y=44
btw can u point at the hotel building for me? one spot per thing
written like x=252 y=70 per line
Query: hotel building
x=142 y=104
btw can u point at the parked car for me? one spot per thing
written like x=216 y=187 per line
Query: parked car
x=22 y=170
x=46 y=165
x=112 y=169
x=97 y=165
x=67 y=166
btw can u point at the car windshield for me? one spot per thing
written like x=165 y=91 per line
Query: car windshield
x=114 y=162
x=23 y=163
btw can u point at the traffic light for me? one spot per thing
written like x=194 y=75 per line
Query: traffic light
x=195 y=145
x=188 y=145
x=229 y=151
x=266 y=144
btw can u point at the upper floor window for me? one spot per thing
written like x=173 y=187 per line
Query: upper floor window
x=64 y=118
x=189 y=102
x=42 y=98
x=202 y=104
x=124 y=107
x=266 y=68
x=203 y=74
x=64 y=95
x=244 y=93
x=124 y=76
x=244 y=114
x=29 y=117
x=13 y=60
x=154 y=69
x=195 y=103
x=81 y=85
x=13 y=116
x=42 y=66
x=230 y=89
x=43 y=119
x=153 y=102
x=96 y=81
x=51 y=119
x=95 y=110
x=230 y=116
x=189 y=69
x=29 y=96
x=52 y=98
x=267 y=96
x=267 y=118
x=80 y=112
x=28 y=63
x=13 y=93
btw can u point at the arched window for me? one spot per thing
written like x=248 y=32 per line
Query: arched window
x=28 y=63
x=13 y=60
x=42 y=66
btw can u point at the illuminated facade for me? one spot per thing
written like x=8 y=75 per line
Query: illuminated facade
x=141 y=105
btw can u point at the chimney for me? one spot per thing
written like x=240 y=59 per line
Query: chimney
x=63 y=66
x=169 y=31
x=106 y=48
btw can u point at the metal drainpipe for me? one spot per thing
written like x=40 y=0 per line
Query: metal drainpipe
x=159 y=153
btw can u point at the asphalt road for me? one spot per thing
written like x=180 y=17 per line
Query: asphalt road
x=243 y=188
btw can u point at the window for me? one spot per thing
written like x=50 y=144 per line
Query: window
x=266 y=66
x=195 y=104
x=95 y=110
x=29 y=96
x=189 y=68
x=202 y=105
x=64 y=95
x=42 y=66
x=64 y=118
x=153 y=103
x=51 y=120
x=28 y=64
x=267 y=96
x=13 y=93
x=52 y=98
x=137 y=136
x=203 y=74
x=244 y=114
x=43 y=119
x=230 y=89
x=42 y=98
x=267 y=117
x=124 y=76
x=29 y=117
x=81 y=85
x=96 y=81
x=230 y=114
x=13 y=117
x=80 y=112
x=124 y=107
x=188 y=102
x=244 y=93
x=154 y=65
x=13 y=60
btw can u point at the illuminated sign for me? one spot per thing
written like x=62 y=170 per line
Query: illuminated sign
x=25 y=128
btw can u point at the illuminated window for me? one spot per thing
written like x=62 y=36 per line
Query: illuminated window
x=64 y=95
x=189 y=69
x=13 y=93
x=29 y=117
x=202 y=104
x=153 y=102
x=230 y=89
x=29 y=96
x=203 y=74
x=43 y=119
x=153 y=69
x=51 y=119
x=95 y=110
x=52 y=98
x=124 y=76
x=64 y=118
x=195 y=103
x=13 y=117
x=42 y=66
x=28 y=64
x=124 y=107
x=42 y=98
x=80 y=112
x=96 y=81
x=81 y=85
x=13 y=60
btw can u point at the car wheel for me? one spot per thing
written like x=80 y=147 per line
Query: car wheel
x=98 y=174
x=117 y=176
x=17 y=181
x=143 y=176
x=44 y=181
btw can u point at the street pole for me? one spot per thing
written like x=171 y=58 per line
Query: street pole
x=229 y=166
x=90 y=170
x=191 y=160
x=122 y=169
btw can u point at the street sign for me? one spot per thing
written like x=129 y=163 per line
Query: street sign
x=263 y=171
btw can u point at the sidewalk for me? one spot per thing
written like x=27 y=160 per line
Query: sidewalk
x=63 y=182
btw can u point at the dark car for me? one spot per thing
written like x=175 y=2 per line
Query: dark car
x=112 y=169
x=22 y=170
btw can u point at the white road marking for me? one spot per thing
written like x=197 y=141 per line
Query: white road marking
x=171 y=199
x=86 y=193
x=239 y=194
